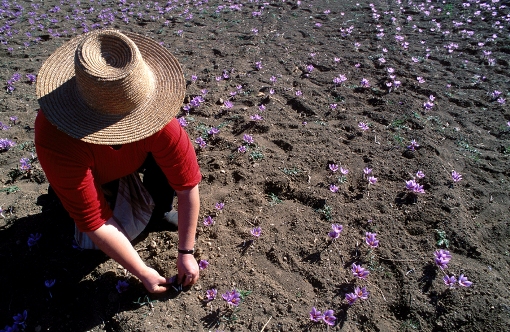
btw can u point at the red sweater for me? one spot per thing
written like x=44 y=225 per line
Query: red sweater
x=76 y=169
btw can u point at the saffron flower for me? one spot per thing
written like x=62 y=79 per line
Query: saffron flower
x=182 y=122
x=413 y=187
x=420 y=175
x=344 y=171
x=233 y=297
x=6 y=144
x=450 y=281
x=351 y=298
x=359 y=272
x=335 y=232
x=256 y=117
x=315 y=315
x=203 y=264
x=310 y=68
x=456 y=177
x=333 y=188
x=201 y=142
x=365 y=83
x=370 y=239
x=213 y=131
x=210 y=294
x=241 y=149
x=219 y=206
x=33 y=238
x=208 y=221
x=328 y=317
x=367 y=170
x=363 y=126
x=413 y=145
x=25 y=164
x=464 y=282
x=19 y=319
x=442 y=258
x=248 y=139
x=257 y=231
x=420 y=79
x=361 y=293
x=372 y=180
x=49 y=283
x=258 y=65
x=299 y=93
x=228 y=104
x=122 y=286
x=428 y=105
x=333 y=167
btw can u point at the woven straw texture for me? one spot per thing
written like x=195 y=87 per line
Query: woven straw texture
x=107 y=87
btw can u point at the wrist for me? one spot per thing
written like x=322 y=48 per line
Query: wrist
x=186 y=251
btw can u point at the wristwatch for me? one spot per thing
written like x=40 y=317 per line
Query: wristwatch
x=189 y=252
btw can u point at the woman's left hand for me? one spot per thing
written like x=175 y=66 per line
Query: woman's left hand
x=187 y=270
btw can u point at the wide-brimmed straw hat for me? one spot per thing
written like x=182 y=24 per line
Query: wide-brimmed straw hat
x=110 y=87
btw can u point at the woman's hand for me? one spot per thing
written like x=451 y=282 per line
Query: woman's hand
x=153 y=281
x=187 y=270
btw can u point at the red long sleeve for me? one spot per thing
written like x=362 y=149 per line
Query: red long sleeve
x=76 y=170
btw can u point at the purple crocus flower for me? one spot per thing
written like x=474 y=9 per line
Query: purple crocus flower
x=365 y=83
x=19 y=319
x=194 y=78
x=351 y=298
x=359 y=272
x=428 y=105
x=228 y=104
x=203 y=264
x=208 y=221
x=315 y=315
x=363 y=126
x=257 y=231
x=329 y=317
x=5 y=144
x=33 y=238
x=450 y=281
x=201 y=142
x=413 y=187
x=420 y=175
x=233 y=297
x=310 y=68
x=25 y=164
x=49 y=283
x=213 y=131
x=248 y=139
x=464 y=282
x=361 y=293
x=182 y=122
x=344 y=171
x=333 y=168
x=367 y=170
x=122 y=286
x=413 y=145
x=219 y=206
x=456 y=177
x=372 y=180
x=241 y=149
x=256 y=117
x=370 y=239
x=442 y=258
x=210 y=294
x=335 y=232
x=31 y=78
x=333 y=188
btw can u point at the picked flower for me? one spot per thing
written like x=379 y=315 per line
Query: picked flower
x=257 y=231
x=233 y=297
x=370 y=239
x=450 y=281
x=464 y=282
x=208 y=221
x=203 y=264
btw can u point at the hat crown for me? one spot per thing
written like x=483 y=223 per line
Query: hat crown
x=111 y=75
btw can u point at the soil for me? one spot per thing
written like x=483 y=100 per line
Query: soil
x=282 y=182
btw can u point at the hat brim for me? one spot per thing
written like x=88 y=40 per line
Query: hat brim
x=62 y=104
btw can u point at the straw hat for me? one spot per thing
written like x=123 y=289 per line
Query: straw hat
x=107 y=87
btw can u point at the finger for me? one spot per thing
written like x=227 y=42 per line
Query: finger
x=160 y=289
x=188 y=280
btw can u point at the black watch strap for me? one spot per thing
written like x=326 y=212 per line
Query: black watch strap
x=189 y=252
